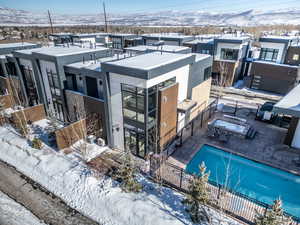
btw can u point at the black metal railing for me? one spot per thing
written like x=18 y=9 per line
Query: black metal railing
x=223 y=198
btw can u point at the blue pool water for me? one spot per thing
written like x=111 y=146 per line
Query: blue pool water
x=255 y=180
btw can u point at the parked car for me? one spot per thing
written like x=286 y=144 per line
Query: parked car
x=265 y=112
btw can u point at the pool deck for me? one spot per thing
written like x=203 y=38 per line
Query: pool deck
x=267 y=146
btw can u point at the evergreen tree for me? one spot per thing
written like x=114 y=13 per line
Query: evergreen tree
x=273 y=216
x=127 y=175
x=198 y=195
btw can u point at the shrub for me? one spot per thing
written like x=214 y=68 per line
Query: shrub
x=127 y=175
x=37 y=143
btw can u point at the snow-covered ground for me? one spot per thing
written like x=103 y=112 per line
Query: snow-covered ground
x=12 y=213
x=101 y=199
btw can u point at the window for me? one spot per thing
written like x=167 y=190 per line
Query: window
x=207 y=73
x=268 y=54
x=229 y=54
x=29 y=84
x=296 y=57
x=133 y=99
x=53 y=83
x=11 y=68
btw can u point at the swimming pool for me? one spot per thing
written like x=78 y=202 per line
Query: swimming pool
x=255 y=180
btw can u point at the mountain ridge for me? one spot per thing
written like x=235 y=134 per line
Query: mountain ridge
x=251 y=17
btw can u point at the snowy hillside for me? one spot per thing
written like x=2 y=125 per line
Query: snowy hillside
x=165 y=18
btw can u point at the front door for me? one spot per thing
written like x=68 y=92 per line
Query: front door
x=134 y=142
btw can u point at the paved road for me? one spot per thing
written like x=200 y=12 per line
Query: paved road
x=39 y=201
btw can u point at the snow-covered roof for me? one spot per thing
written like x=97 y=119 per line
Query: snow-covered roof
x=200 y=57
x=94 y=65
x=149 y=61
x=233 y=38
x=277 y=37
x=290 y=104
x=16 y=45
x=63 y=51
x=80 y=35
x=122 y=35
x=29 y=51
x=165 y=48
x=167 y=35
x=197 y=41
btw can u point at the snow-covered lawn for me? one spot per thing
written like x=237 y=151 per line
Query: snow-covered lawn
x=101 y=199
x=12 y=213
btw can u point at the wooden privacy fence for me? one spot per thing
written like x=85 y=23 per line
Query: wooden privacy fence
x=199 y=120
x=233 y=203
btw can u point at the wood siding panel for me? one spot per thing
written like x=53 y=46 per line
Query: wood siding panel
x=274 y=78
x=167 y=114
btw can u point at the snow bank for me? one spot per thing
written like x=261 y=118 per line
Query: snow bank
x=12 y=213
x=100 y=199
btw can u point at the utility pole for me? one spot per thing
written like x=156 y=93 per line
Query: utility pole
x=105 y=19
x=50 y=20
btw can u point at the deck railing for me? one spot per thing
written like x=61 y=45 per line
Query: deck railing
x=231 y=202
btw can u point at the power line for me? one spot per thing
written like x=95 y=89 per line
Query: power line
x=105 y=19
x=50 y=20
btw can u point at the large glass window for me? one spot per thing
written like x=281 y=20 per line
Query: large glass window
x=30 y=85
x=140 y=117
x=268 y=54
x=133 y=102
x=229 y=54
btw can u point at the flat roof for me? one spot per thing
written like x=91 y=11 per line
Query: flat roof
x=168 y=35
x=149 y=61
x=60 y=34
x=17 y=45
x=165 y=48
x=197 y=41
x=290 y=104
x=94 y=65
x=230 y=38
x=122 y=35
x=275 y=64
x=150 y=65
x=80 y=35
x=63 y=51
x=29 y=51
x=200 y=57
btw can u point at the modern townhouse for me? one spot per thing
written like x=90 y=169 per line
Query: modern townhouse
x=230 y=52
x=42 y=70
x=83 y=38
x=203 y=44
x=139 y=102
x=275 y=67
x=9 y=79
x=60 y=38
x=121 y=41
x=166 y=38
x=145 y=96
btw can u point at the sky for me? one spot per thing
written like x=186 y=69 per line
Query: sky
x=137 y=6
